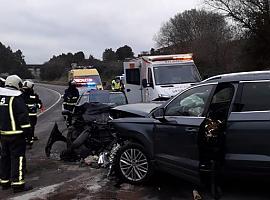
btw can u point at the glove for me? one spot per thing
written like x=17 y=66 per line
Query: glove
x=42 y=109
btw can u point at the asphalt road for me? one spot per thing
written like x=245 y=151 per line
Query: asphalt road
x=54 y=179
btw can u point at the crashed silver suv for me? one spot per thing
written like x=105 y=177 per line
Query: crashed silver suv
x=169 y=138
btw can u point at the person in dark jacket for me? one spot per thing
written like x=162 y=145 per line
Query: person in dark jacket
x=71 y=97
x=14 y=128
x=34 y=104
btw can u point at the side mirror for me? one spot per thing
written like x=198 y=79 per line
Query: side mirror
x=144 y=83
x=159 y=113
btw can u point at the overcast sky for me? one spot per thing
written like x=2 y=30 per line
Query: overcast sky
x=43 y=28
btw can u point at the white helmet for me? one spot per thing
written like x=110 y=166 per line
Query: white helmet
x=28 y=84
x=14 y=81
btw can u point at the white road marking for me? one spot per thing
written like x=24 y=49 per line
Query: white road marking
x=59 y=98
x=40 y=193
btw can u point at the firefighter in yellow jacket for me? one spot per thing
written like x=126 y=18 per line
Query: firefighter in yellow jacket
x=14 y=128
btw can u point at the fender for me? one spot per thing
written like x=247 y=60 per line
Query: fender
x=138 y=129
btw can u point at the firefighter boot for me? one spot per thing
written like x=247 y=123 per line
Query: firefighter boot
x=5 y=186
x=23 y=188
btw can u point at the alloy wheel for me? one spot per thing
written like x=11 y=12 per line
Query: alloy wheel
x=134 y=164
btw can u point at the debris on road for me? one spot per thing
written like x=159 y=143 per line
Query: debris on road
x=196 y=195
x=90 y=160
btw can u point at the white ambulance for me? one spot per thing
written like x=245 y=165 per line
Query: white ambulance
x=157 y=78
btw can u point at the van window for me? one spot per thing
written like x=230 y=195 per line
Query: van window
x=255 y=96
x=133 y=76
x=150 y=77
x=176 y=74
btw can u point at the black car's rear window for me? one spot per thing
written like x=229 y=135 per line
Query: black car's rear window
x=255 y=96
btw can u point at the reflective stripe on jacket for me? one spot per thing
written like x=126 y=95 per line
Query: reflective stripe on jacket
x=13 y=115
x=32 y=101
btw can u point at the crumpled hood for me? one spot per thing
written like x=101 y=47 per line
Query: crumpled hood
x=141 y=109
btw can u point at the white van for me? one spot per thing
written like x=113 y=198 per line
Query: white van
x=157 y=78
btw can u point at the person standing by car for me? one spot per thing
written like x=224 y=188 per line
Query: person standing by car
x=71 y=97
x=14 y=128
x=122 y=86
x=33 y=103
x=212 y=139
x=116 y=85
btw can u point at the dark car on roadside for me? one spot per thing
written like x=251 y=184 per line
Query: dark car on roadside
x=102 y=96
x=167 y=138
x=92 y=96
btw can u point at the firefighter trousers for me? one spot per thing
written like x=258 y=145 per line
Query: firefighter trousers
x=33 y=122
x=13 y=160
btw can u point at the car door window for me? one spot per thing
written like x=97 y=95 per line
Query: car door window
x=255 y=97
x=190 y=103
x=221 y=101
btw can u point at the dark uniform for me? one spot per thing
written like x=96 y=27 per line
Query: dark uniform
x=14 y=128
x=33 y=103
x=71 y=97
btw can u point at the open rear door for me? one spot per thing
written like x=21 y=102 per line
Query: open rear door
x=133 y=88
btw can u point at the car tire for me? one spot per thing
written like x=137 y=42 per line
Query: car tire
x=133 y=164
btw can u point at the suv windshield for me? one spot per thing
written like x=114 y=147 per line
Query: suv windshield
x=118 y=98
x=176 y=74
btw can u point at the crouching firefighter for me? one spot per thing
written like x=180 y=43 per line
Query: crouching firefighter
x=33 y=103
x=14 y=128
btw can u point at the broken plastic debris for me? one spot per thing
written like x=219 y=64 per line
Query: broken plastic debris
x=103 y=159
x=90 y=160
x=196 y=195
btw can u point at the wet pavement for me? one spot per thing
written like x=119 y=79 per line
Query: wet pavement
x=54 y=179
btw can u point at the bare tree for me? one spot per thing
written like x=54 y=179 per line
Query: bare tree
x=193 y=25
x=253 y=15
x=201 y=32
x=254 y=18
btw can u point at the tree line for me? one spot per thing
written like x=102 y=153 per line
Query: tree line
x=12 y=62
x=110 y=65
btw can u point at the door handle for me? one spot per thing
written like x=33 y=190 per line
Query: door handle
x=191 y=130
